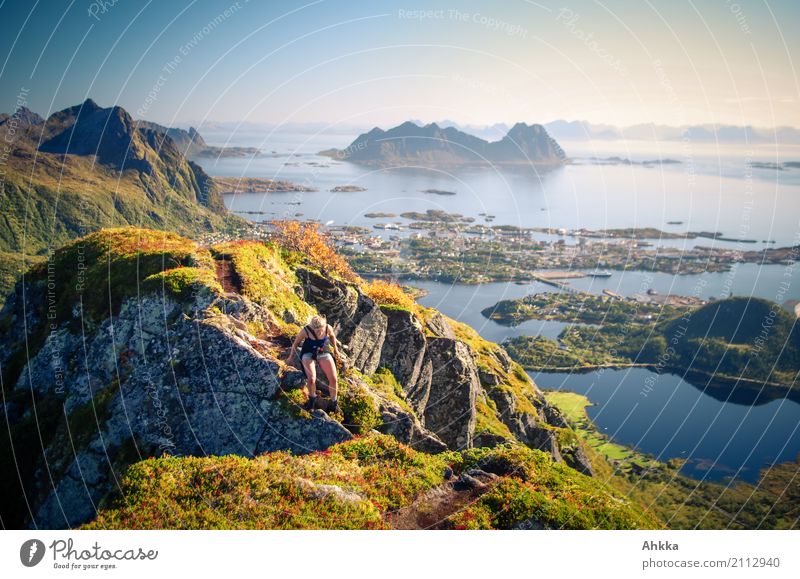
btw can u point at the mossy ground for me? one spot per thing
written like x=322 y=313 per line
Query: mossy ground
x=356 y=485
x=267 y=278
x=100 y=271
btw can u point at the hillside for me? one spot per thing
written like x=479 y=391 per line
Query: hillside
x=88 y=167
x=751 y=343
x=431 y=145
x=156 y=346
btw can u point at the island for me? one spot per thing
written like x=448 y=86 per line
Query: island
x=450 y=248
x=259 y=185
x=437 y=192
x=721 y=340
x=410 y=144
x=348 y=189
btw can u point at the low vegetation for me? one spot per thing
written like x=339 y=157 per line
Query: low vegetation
x=358 y=485
x=306 y=239
x=388 y=294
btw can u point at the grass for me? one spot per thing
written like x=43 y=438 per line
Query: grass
x=182 y=282
x=103 y=269
x=387 y=294
x=266 y=279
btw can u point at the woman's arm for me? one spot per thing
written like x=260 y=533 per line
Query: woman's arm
x=293 y=350
x=334 y=343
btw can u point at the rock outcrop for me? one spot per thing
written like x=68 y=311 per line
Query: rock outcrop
x=359 y=323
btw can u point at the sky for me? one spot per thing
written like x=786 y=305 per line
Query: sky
x=362 y=63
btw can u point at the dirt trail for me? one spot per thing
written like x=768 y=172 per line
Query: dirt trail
x=430 y=510
x=227 y=276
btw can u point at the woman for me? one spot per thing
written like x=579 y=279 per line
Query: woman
x=319 y=341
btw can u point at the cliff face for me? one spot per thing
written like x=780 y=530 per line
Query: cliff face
x=126 y=346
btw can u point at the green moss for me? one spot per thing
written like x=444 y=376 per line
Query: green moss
x=395 y=308
x=361 y=413
x=385 y=383
x=486 y=420
x=103 y=269
x=268 y=280
x=182 y=282
x=536 y=492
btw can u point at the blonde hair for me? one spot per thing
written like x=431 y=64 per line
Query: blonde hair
x=317 y=322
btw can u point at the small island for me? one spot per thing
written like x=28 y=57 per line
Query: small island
x=380 y=215
x=437 y=216
x=348 y=189
x=259 y=185
x=437 y=192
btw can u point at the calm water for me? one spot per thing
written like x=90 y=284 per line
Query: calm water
x=718 y=438
x=712 y=190
x=711 y=193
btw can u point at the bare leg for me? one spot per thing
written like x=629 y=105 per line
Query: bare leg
x=311 y=376
x=329 y=367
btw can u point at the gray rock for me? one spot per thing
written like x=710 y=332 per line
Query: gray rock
x=466 y=481
x=359 y=323
x=450 y=412
x=437 y=325
x=403 y=353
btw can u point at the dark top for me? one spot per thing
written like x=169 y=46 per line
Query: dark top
x=313 y=344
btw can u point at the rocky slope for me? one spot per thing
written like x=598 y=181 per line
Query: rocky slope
x=431 y=145
x=87 y=167
x=133 y=343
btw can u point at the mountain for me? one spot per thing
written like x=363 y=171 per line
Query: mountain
x=432 y=145
x=192 y=144
x=155 y=346
x=88 y=167
x=23 y=117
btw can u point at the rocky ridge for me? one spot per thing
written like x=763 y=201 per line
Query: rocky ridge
x=127 y=346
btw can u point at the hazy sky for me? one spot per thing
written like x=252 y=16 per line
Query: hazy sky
x=379 y=62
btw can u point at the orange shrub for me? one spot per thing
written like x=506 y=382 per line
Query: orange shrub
x=388 y=294
x=307 y=239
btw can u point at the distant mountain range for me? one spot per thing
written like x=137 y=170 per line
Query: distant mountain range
x=428 y=145
x=192 y=144
x=586 y=131
x=88 y=167
x=562 y=130
x=582 y=130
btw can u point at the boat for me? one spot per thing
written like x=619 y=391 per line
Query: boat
x=599 y=273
